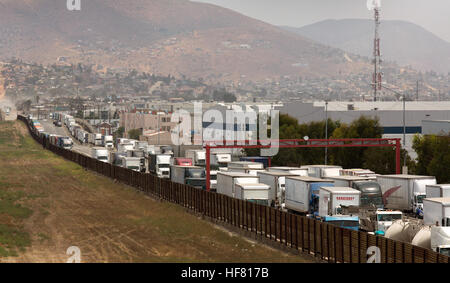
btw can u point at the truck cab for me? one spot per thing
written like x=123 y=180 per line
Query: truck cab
x=371 y=194
x=384 y=220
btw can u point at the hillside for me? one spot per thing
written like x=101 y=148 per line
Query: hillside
x=165 y=37
x=48 y=204
x=403 y=42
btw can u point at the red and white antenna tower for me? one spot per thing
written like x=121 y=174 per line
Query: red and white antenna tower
x=377 y=78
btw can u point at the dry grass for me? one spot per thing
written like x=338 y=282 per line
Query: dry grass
x=54 y=204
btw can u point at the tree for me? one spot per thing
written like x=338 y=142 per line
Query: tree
x=433 y=156
x=134 y=134
x=119 y=132
x=382 y=160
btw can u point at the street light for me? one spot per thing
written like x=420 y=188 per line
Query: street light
x=404 y=120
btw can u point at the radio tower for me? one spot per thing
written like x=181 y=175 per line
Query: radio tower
x=377 y=75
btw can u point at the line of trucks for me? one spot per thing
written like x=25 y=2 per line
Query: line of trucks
x=433 y=232
x=60 y=141
x=356 y=199
x=80 y=134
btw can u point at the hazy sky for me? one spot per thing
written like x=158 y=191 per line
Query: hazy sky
x=433 y=15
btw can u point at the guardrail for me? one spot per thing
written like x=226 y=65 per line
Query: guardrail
x=300 y=233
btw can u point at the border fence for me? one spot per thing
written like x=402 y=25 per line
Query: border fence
x=300 y=233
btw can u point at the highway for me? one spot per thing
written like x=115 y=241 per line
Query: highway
x=62 y=131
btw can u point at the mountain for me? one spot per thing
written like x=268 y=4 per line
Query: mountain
x=166 y=37
x=402 y=42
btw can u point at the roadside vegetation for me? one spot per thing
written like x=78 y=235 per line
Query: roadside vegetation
x=48 y=204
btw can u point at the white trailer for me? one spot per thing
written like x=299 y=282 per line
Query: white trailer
x=440 y=240
x=293 y=170
x=108 y=141
x=257 y=193
x=438 y=191
x=100 y=153
x=246 y=165
x=198 y=156
x=276 y=181
x=226 y=182
x=132 y=163
x=436 y=211
x=332 y=198
x=302 y=193
x=323 y=171
x=404 y=192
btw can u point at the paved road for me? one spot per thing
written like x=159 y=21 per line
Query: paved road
x=62 y=131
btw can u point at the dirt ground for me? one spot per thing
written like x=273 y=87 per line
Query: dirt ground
x=50 y=204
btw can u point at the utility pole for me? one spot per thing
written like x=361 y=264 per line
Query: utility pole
x=326 y=129
x=417 y=91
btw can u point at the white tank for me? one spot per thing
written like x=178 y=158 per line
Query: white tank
x=423 y=238
x=403 y=231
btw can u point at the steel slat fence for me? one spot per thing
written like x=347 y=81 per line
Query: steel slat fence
x=330 y=243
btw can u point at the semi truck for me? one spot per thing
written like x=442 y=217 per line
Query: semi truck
x=293 y=170
x=108 y=142
x=331 y=201
x=159 y=164
x=141 y=155
x=248 y=167
x=219 y=160
x=371 y=194
x=100 y=153
x=194 y=176
x=253 y=192
x=259 y=159
x=322 y=171
x=198 y=156
x=227 y=181
x=436 y=211
x=302 y=194
x=404 y=192
x=372 y=219
x=132 y=163
x=438 y=191
x=277 y=184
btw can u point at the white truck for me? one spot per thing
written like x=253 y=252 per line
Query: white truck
x=332 y=198
x=276 y=181
x=293 y=170
x=438 y=191
x=159 y=164
x=198 y=156
x=124 y=147
x=100 y=153
x=436 y=211
x=132 y=163
x=253 y=192
x=371 y=194
x=404 y=192
x=95 y=139
x=108 y=142
x=440 y=240
x=188 y=175
x=227 y=181
x=248 y=167
x=302 y=193
x=219 y=160
x=323 y=171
